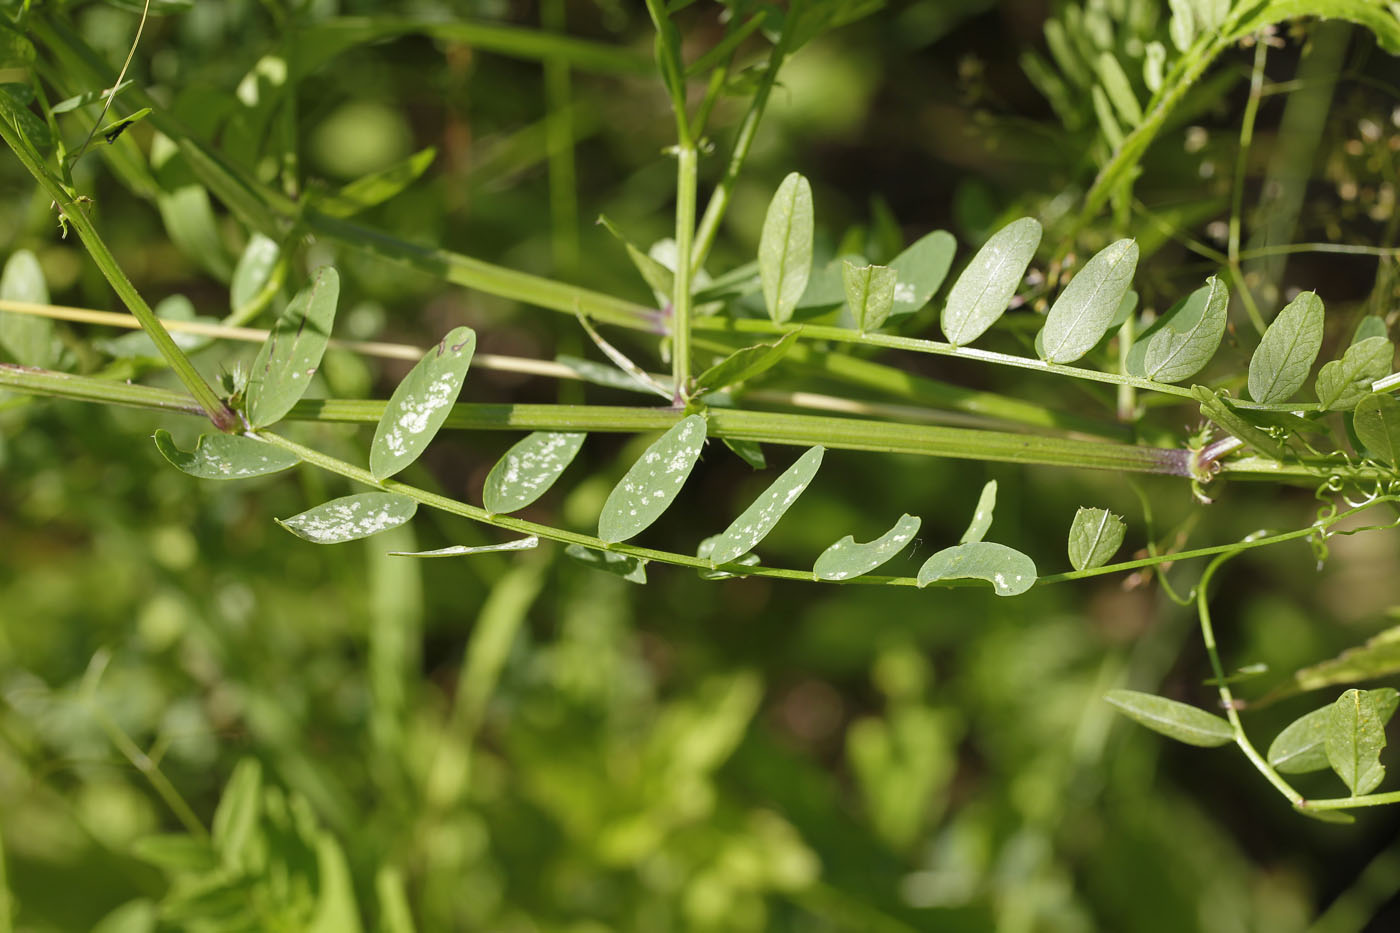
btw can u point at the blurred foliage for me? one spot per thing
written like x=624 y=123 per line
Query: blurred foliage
x=518 y=743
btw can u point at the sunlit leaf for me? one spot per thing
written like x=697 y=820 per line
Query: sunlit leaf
x=176 y=852
x=225 y=456
x=920 y=270
x=256 y=278
x=1302 y=745
x=1355 y=737
x=351 y=517
x=1286 y=353
x=984 y=289
x=764 y=512
x=1342 y=383
x=89 y=97
x=236 y=817
x=1189 y=334
x=869 y=294
x=112 y=131
x=421 y=403
x=1175 y=720
x=785 y=247
x=745 y=364
x=28 y=338
x=291 y=354
x=377 y=187
x=653 y=482
x=846 y=560
x=1079 y=318
x=982 y=514
x=631 y=569
x=336 y=910
x=528 y=469
x=1094 y=537
x=1377 y=425
x=462 y=550
x=1119 y=89
x=1009 y=571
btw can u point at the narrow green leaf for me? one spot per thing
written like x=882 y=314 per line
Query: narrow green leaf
x=289 y=358
x=631 y=569
x=846 y=560
x=751 y=452
x=176 y=853
x=1379 y=656
x=1217 y=409
x=1302 y=746
x=1342 y=383
x=653 y=482
x=256 y=277
x=984 y=289
x=1079 y=318
x=1377 y=424
x=982 y=515
x=1172 y=719
x=28 y=338
x=742 y=365
x=785 y=247
x=91 y=97
x=351 y=517
x=112 y=131
x=1119 y=89
x=1182 y=27
x=236 y=817
x=14 y=104
x=753 y=525
x=869 y=293
x=1378 y=18
x=1094 y=537
x=528 y=469
x=706 y=551
x=395 y=916
x=1355 y=737
x=1184 y=339
x=377 y=187
x=421 y=403
x=1009 y=571
x=1108 y=123
x=462 y=550
x=225 y=456
x=1289 y=348
x=654 y=272
x=920 y=270
x=336 y=910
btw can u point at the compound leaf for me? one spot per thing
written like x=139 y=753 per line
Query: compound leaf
x=292 y=352
x=351 y=517
x=846 y=559
x=1175 y=720
x=1094 y=537
x=1342 y=383
x=1302 y=745
x=785 y=247
x=421 y=403
x=528 y=469
x=1355 y=737
x=653 y=482
x=1009 y=571
x=1081 y=315
x=1286 y=353
x=984 y=289
x=753 y=525
x=225 y=456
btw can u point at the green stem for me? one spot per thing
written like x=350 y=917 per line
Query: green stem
x=686 y=180
x=1346 y=803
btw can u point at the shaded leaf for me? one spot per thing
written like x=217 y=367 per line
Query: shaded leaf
x=291 y=354
x=1377 y=424
x=1355 y=737
x=462 y=550
x=176 y=853
x=236 y=817
x=528 y=469
x=1008 y=570
x=1342 y=383
x=764 y=512
x=1180 y=344
x=751 y=452
x=225 y=456
x=982 y=515
x=706 y=551
x=138 y=345
x=654 y=272
x=29 y=339
x=920 y=270
x=1175 y=720
x=984 y=289
x=1302 y=745
x=869 y=293
x=1119 y=89
x=90 y=97
x=421 y=403
x=351 y=517
x=785 y=247
x=1095 y=536
x=1379 y=656
x=1079 y=318
x=846 y=559
x=1371 y=325
x=377 y=187
x=256 y=277
x=1285 y=355
x=1217 y=409
x=112 y=131
x=653 y=482
x=14 y=103
x=631 y=569
x=742 y=365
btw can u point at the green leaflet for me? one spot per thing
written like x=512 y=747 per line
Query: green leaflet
x=139 y=345
x=706 y=550
x=1119 y=89
x=1182 y=27
x=1172 y=719
x=1284 y=357
x=869 y=293
x=751 y=452
x=351 y=517
x=461 y=550
x=27 y=338
x=981 y=294
x=920 y=270
x=377 y=187
x=742 y=365
x=1355 y=737
x=1302 y=745
x=1379 y=18
x=90 y=97
x=14 y=103
x=1377 y=425
x=653 y=482
x=237 y=815
x=1180 y=344
x=1371 y=325
x=1095 y=536
x=982 y=515
x=256 y=278
x=785 y=247
x=291 y=354
x=1214 y=407
x=421 y=403
x=1009 y=571
x=225 y=456
x=1379 y=656
x=528 y=469
x=660 y=279
x=1080 y=317
x=753 y=525
x=1342 y=383
x=631 y=569
x=846 y=560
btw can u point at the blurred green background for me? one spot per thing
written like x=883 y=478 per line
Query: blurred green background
x=685 y=755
